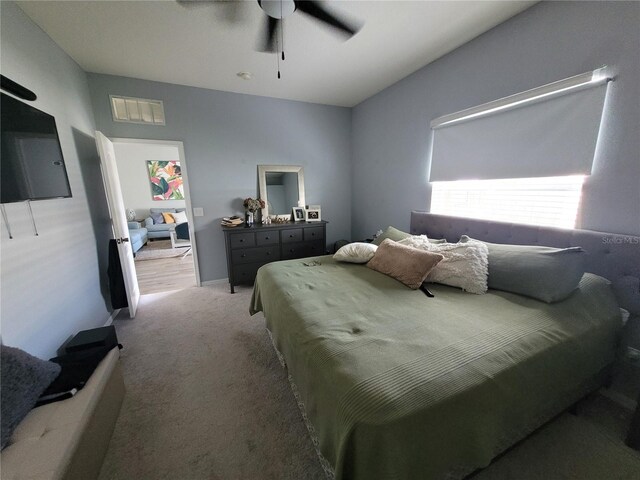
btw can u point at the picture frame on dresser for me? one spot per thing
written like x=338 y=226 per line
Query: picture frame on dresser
x=298 y=214
x=312 y=213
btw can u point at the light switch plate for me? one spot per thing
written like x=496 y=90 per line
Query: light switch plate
x=198 y=212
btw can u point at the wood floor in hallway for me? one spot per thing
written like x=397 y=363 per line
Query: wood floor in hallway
x=165 y=274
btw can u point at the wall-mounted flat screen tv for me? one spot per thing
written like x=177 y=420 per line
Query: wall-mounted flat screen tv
x=31 y=162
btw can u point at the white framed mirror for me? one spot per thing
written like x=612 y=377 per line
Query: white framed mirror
x=281 y=188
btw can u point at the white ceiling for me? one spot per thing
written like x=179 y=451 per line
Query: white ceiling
x=163 y=41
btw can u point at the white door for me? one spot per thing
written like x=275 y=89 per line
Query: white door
x=118 y=219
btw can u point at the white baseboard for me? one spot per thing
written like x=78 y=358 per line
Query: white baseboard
x=113 y=315
x=214 y=282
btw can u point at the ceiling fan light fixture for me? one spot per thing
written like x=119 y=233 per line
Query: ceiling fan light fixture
x=245 y=75
x=277 y=8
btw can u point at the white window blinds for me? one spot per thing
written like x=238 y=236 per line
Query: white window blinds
x=537 y=201
x=546 y=132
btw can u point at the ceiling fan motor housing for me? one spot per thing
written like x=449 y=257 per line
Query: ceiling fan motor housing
x=277 y=8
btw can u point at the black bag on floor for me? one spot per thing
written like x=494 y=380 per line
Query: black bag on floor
x=83 y=355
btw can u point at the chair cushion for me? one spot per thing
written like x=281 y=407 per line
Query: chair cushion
x=180 y=217
x=157 y=218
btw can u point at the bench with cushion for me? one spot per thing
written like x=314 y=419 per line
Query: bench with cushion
x=68 y=439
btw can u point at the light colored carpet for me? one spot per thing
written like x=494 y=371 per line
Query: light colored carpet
x=206 y=396
x=207 y=399
x=159 y=249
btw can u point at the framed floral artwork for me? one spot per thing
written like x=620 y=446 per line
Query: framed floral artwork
x=166 y=180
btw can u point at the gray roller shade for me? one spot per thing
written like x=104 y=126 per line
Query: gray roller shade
x=547 y=138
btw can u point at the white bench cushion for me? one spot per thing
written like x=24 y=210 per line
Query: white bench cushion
x=43 y=444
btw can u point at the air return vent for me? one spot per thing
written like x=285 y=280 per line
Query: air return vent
x=137 y=110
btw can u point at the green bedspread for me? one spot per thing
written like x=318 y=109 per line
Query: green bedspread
x=401 y=386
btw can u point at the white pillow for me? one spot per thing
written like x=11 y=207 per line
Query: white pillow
x=357 y=252
x=465 y=265
x=180 y=217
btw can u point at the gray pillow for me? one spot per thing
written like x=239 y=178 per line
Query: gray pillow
x=24 y=378
x=544 y=273
x=157 y=218
x=391 y=233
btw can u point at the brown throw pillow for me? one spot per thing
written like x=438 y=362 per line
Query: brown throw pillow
x=406 y=264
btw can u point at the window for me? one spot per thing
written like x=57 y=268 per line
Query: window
x=521 y=158
x=549 y=201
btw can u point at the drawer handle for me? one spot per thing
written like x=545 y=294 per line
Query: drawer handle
x=243 y=255
x=291 y=250
x=268 y=253
x=266 y=238
x=291 y=236
x=241 y=240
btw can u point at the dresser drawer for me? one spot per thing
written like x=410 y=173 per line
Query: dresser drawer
x=301 y=250
x=291 y=235
x=267 y=238
x=239 y=240
x=313 y=233
x=294 y=250
x=245 y=274
x=257 y=254
x=315 y=248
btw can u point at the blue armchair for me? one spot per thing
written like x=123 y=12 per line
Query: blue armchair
x=137 y=235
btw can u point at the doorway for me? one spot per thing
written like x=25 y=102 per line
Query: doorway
x=155 y=191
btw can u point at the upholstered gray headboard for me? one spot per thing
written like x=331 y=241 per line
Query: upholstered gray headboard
x=612 y=256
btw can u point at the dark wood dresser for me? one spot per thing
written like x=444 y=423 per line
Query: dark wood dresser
x=250 y=248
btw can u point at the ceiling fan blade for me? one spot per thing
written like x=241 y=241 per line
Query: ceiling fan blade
x=269 y=35
x=316 y=10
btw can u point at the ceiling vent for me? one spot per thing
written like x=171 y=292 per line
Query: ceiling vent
x=137 y=110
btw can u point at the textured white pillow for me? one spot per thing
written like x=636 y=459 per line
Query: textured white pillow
x=180 y=217
x=357 y=252
x=465 y=265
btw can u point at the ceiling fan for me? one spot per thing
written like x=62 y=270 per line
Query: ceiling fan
x=276 y=11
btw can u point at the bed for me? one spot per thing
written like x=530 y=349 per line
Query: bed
x=396 y=385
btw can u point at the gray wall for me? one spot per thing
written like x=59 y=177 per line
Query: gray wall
x=548 y=42
x=226 y=135
x=54 y=284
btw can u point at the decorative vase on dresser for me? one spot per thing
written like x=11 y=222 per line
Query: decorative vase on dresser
x=247 y=250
